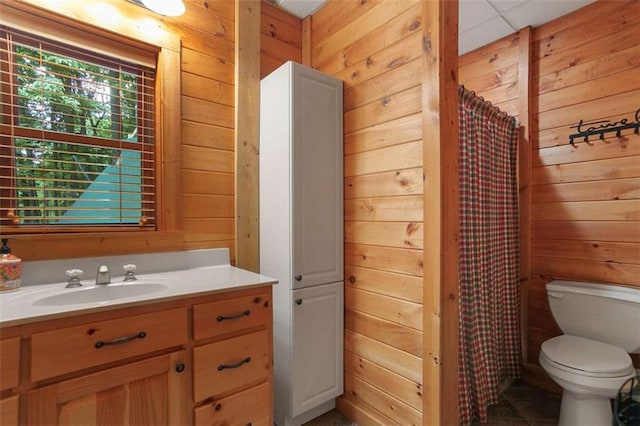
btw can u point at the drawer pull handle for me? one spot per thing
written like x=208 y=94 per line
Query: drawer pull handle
x=236 y=316
x=235 y=365
x=180 y=367
x=121 y=340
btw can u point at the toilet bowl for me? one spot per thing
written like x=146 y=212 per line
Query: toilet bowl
x=591 y=360
x=590 y=374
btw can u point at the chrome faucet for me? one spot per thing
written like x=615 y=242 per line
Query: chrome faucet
x=103 y=276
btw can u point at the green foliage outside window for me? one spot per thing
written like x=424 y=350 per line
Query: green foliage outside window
x=57 y=93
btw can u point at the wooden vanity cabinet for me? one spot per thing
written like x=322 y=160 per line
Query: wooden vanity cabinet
x=232 y=361
x=203 y=360
x=148 y=392
x=9 y=379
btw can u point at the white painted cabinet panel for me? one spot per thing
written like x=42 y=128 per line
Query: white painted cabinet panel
x=317 y=336
x=301 y=236
x=317 y=179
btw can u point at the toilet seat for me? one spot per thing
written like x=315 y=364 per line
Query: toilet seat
x=586 y=357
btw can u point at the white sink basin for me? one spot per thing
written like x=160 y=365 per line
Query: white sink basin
x=100 y=293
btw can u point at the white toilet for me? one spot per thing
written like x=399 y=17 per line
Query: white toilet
x=591 y=360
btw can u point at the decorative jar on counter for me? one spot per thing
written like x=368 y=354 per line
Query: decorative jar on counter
x=10 y=269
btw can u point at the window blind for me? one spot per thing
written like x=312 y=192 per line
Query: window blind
x=76 y=137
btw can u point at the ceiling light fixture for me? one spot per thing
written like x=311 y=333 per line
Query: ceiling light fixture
x=165 y=7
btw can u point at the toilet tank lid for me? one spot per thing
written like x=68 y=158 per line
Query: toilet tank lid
x=611 y=291
x=587 y=355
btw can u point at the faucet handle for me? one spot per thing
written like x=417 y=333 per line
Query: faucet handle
x=74 y=278
x=130 y=270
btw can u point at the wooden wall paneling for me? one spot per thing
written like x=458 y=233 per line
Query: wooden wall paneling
x=408 y=391
x=280 y=38
x=393 y=158
x=385 y=307
x=390 y=259
x=381 y=86
x=612 y=43
x=603 y=251
x=610 y=189
x=207 y=136
x=396 y=409
x=247 y=71
x=205 y=65
x=400 y=286
x=388 y=108
x=328 y=20
x=385 y=209
x=524 y=180
x=387 y=234
x=205 y=89
x=441 y=210
x=359 y=27
x=593 y=83
x=619 y=231
x=384 y=355
x=585 y=199
x=395 y=132
x=588 y=171
x=551 y=39
x=396 y=54
x=367 y=48
x=372 y=48
x=399 y=182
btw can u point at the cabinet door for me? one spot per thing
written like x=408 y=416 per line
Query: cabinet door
x=149 y=392
x=317 y=327
x=9 y=410
x=317 y=179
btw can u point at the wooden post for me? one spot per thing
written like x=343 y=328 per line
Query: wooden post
x=440 y=162
x=247 y=129
x=524 y=182
x=306 y=41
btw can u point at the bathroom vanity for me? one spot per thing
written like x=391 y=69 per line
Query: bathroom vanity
x=197 y=351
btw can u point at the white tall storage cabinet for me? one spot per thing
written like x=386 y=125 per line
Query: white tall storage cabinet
x=301 y=237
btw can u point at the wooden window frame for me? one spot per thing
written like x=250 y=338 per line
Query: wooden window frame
x=145 y=146
x=132 y=32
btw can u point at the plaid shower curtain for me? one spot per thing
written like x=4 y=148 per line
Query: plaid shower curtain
x=489 y=275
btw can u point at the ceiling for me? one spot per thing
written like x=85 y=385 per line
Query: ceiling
x=480 y=21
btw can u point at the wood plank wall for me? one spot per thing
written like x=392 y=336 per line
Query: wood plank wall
x=208 y=49
x=280 y=38
x=585 y=200
x=375 y=48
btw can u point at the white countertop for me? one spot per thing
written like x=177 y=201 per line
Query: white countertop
x=22 y=306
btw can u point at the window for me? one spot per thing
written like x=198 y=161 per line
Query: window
x=77 y=145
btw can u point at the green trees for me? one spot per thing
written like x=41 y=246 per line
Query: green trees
x=63 y=97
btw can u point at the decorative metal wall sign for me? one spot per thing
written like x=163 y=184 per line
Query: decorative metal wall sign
x=592 y=128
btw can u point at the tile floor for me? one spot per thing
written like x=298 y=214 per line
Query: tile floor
x=520 y=405
x=524 y=405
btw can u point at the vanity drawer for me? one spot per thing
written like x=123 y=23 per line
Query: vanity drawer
x=225 y=316
x=9 y=363
x=243 y=408
x=230 y=364
x=74 y=348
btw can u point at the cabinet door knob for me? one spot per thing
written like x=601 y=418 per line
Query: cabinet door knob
x=180 y=367
x=298 y=277
x=298 y=301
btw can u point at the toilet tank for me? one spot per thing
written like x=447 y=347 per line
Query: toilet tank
x=607 y=313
